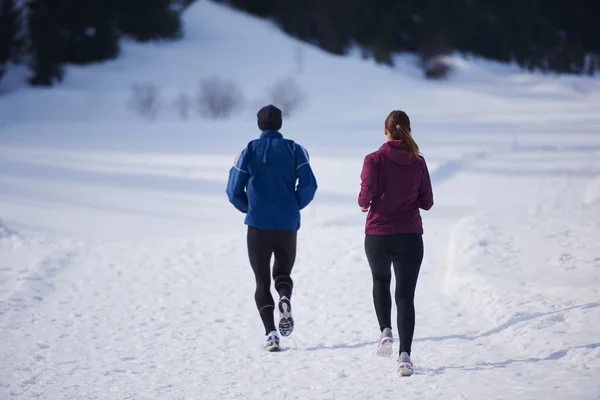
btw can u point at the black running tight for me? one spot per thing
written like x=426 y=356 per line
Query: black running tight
x=262 y=245
x=405 y=252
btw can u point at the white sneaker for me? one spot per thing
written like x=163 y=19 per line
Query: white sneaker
x=286 y=321
x=272 y=342
x=386 y=340
x=405 y=366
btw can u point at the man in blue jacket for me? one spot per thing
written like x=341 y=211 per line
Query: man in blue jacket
x=271 y=181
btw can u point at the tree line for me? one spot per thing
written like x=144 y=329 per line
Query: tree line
x=46 y=34
x=546 y=35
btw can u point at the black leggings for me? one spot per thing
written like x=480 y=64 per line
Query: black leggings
x=405 y=252
x=262 y=245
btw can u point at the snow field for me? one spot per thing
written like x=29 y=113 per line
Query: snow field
x=123 y=269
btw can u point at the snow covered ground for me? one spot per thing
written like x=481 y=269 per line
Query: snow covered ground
x=123 y=269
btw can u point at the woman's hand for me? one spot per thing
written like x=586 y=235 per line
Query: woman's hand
x=365 y=209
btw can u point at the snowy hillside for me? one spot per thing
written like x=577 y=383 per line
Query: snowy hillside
x=123 y=268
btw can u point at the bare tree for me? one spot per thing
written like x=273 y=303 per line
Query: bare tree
x=219 y=98
x=145 y=100
x=183 y=103
x=287 y=95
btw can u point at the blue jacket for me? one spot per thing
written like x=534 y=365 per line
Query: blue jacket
x=271 y=181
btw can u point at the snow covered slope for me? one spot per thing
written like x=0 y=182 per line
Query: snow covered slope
x=123 y=270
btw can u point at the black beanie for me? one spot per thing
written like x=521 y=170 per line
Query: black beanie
x=269 y=118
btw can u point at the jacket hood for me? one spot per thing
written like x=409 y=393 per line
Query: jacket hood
x=269 y=118
x=396 y=151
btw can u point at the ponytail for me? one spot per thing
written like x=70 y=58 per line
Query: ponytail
x=398 y=125
x=408 y=140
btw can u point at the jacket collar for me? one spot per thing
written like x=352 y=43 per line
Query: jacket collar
x=271 y=134
x=397 y=151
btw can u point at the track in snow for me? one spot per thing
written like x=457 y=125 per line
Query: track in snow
x=175 y=318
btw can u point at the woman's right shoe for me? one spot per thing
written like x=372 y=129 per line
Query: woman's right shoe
x=386 y=340
x=405 y=366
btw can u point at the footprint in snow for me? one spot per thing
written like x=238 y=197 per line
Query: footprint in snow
x=30 y=381
x=549 y=321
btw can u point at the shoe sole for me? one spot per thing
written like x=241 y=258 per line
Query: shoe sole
x=405 y=370
x=385 y=348
x=273 y=349
x=286 y=321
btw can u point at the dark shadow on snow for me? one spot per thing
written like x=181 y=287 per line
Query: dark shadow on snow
x=513 y=321
x=498 y=329
x=342 y=346
x=450 y=168
x=557 y=355
x=115 y=179
x=528 y=172
x=127 y=180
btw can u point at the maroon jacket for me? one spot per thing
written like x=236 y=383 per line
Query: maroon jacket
x=396 y=185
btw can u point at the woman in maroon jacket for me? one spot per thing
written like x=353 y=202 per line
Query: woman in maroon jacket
x=395 y=185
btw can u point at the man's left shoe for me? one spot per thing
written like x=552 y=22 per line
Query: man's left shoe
x=272 y=342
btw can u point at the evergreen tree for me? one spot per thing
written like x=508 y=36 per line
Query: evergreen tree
x=9 y=30
x=542 y=35
x=146 y=20
x=261 y=8
x=91 y=30
x=46 y=41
